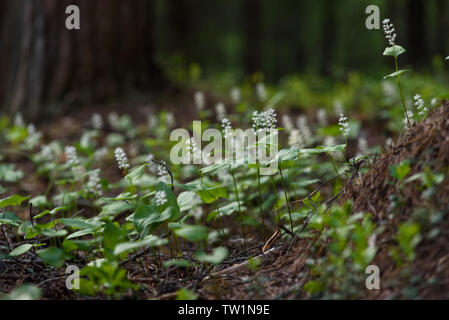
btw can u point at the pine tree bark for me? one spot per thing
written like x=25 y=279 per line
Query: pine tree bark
x=43 y=63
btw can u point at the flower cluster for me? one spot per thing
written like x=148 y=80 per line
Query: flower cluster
x=227 y=127
x=235 y=95
x=408 y=116
x=121 y=158
x=301 y=123
x=295 y=139
x=419 y=103
x=160 y=198
x=390 y=33
x=264 y=121
x=261 y=92
x=220 y=110
x=72 y=157
x=343 y=124
x=100 y=154
x=363 y=146
x=193 y=150
x=200 y=101
x=287 y=123
x=322 y=117
x=170 y=120
x=97 y=121
x=93 y=185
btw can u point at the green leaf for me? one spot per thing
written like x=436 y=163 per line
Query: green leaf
x=213 y=194
x=217 y=256
x=14 y=200
x=318 y=150
x=79 y=224
x=186 y=294
x=396 y=74
x=187 y=200
x=150 y=241
x=287 y=155
x=24 y=292
x=39 y=201
x=394 y=51
x=20 y=250
x=181 y=263
x=40 y=215
x=80 y=233
x=136 y=174
x=192 y=233
x=9 y=174
x=52 y=256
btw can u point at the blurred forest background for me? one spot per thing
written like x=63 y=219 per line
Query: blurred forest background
x=143 y=46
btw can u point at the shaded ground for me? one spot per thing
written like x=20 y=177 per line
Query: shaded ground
x=283 y=270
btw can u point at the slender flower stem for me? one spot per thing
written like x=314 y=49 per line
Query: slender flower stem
x=221 y=225
x=333 y=164
x=286 y=199
x=276 y=197
x=260 y=202
x=240 y=209
x=401 y=91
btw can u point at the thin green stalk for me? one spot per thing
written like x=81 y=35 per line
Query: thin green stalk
x=221 y=225
x=286 y=199
x=260 y=203
x=240 y=209
x=276 y=197
x=333 y=164
x=401 y=91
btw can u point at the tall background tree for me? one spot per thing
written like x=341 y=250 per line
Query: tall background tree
x=44 y=62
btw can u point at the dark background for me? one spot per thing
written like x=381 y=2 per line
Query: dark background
x=137 y=45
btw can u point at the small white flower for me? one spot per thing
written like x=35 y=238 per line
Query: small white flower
x=329 y=141
x=200 y=100
x=301 y=123
x=261 y=92
x=170 y=120
x=93 y=185
x=295 y=139
x=114 y=120
x=322 y=117
x=390 y=33
x=363 y=146
x=338 y=107
x=196 y=212
x=160 y=198
x=410 y=116
x=72 y=157
x=122 y=159
x=194 y=152
x=287 y=122
x=153 y=121
x=161 y=171
x=419 y=103
x=235 y=95
x=343 y=124
x=100 y=153
x=227 y=128
x=18 y=120
x=220 y=110
x=97 y=121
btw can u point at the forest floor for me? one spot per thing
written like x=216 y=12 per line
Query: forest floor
x=281 y=272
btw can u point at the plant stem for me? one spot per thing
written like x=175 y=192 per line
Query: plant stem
x=260 y=202
x=286 y=199
x=240 y=209
x=333 y=164
x=401 y=91
x=221 y=225
x=276 y=197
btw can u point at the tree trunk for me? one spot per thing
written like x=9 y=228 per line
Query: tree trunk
x=44 y=63
x=417 y=47
x=253 y=34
